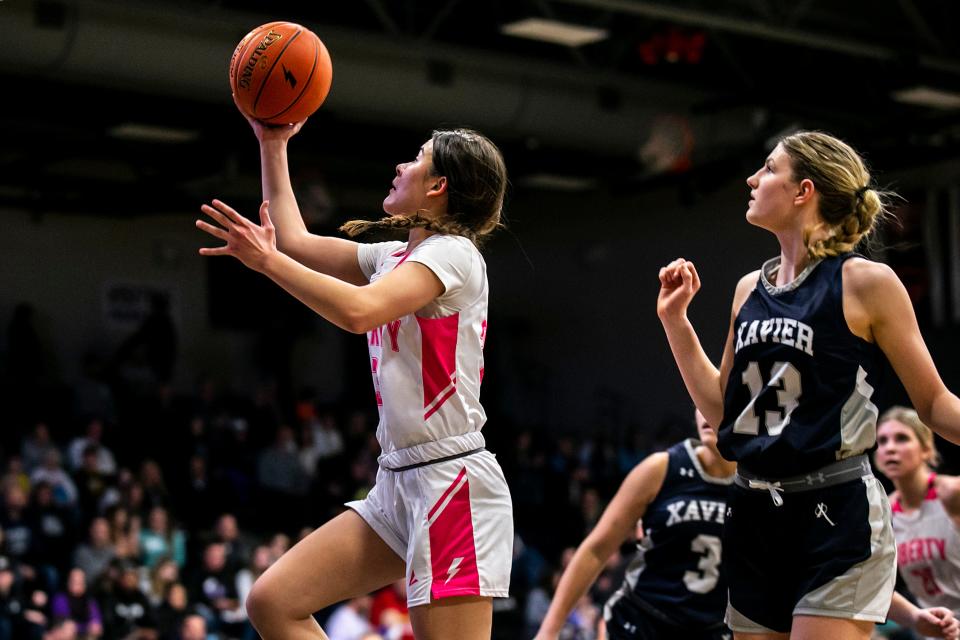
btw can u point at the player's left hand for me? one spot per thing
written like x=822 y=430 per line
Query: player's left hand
x=250 y=243
x=937 y=622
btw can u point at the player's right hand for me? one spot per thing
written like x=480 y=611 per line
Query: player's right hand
x=679 y=282
x=267 y=132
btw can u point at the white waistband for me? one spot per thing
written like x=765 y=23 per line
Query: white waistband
x=427 y=451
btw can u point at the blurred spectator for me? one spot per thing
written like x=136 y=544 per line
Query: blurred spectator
x=78 y=605
x=260 y=560
x=324 y=435
x=18 y=534
x=124 y=532
x=36 y=446
x=12 y=603
x=237 y=547
x=172 y=611
x=278 y=469
x=16 y=474
x=34 y=614
x=193 y=627
x=213 y=589
x=92 y=484
x=51 y=472
x=160 y=538
x=53 y=534
x=95 y=555
x=282 y=480
x=350 y=620
x=62 y=629
x=389 y=614
x=126 y=611
x=133 y=498
x=154 y=487
x=93 y=438
x=159 y=579
x=198 y=497
x=279 y=545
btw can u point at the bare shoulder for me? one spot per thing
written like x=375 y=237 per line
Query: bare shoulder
x=746 y=284
x=948 y=491
x=864 y=277
x=651 y=471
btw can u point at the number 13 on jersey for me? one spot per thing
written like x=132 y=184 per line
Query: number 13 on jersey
x=785 y=381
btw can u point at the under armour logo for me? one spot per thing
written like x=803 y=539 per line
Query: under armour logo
x=821 y=512
x=454 y=568
x=817 y=478
x=686 y=471
x=288 y=76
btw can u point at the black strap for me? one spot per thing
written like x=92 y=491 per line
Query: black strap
x=437 y=460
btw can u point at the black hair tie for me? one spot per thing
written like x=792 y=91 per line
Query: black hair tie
x=861 y=192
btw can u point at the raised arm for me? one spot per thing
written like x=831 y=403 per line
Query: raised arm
x=356 y=308
x=881 y=309
x=679 y=282
x=333 y=256
x=636 y=492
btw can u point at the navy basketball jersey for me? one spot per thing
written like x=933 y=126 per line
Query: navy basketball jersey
x=676 y=571
x=799 y=393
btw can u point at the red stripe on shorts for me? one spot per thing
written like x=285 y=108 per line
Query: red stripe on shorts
x=453 y=556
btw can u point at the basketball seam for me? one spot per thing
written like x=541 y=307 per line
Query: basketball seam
x=270 y=72
x=306 y=84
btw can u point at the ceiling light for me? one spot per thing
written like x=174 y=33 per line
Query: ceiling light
x=152 y=133
x=570 y=35
x=556 y=182
x=928 y=97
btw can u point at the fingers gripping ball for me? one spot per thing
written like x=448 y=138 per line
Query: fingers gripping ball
x=280 y=73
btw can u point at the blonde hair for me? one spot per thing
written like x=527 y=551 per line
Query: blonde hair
x=910 y=418
x=476 y=185
x=849 y=206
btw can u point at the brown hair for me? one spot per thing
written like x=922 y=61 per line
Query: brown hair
x=476 y=184
x=849 y=206
x=910 y=418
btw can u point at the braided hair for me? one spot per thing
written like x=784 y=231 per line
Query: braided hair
x=849 y=206
x=476 y=185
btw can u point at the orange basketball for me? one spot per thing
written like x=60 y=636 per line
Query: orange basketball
x=280 y=73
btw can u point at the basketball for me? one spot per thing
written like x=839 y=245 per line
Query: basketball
x=280 y=73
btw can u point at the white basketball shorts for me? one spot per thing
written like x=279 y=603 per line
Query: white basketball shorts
x=452 y=522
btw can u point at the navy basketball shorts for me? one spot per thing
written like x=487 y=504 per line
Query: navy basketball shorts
x=824 y=552
x=625 y=620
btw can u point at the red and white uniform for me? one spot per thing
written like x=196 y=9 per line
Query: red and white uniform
x=928 y=551
x=451 y=521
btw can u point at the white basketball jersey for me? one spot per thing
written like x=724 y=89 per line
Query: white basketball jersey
x=928 y=551
x=427 y=366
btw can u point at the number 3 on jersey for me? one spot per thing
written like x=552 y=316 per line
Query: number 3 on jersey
x=785 y=378
x=704 y=580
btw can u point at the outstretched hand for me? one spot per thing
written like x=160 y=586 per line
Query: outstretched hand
x=679 y=282
x=248 y=242
x=937 y=622
x=265 y=132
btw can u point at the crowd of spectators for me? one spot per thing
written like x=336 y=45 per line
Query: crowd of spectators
x=134 y=509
